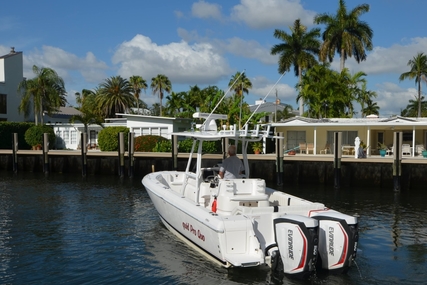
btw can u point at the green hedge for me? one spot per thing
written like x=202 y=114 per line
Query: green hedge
x=208 y=146
x=34 y=135
x=6 y=131
x=151 y=143
x=108 y=138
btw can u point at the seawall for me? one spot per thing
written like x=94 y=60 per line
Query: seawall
x=297 y=170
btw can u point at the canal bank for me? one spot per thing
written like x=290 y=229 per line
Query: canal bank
x=297 y=169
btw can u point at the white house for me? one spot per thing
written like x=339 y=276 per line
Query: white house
x=11 y=74
x=68 y=135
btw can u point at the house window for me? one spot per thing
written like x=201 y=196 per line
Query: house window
x=92 y=137
x=294 y=138
x=66 y=136
x=73 y=137
x=380 y=137
x=3 y=104
x=407 y=137
x=347 y=138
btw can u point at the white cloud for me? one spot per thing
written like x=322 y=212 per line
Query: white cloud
x=261 y=14
x=392 y=98
x=261 y=86
x=180 y=62
x=179 y=14
x=247 y=48
x=393 y=59
x=65 y=63
x=235 y=46
x=206 y=10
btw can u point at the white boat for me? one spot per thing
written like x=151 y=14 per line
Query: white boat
x=241 y=222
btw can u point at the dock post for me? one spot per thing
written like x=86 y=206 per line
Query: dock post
x=279 y=159
x=45 y=153
x=397 y=160
x=15 y=152
x=121 y=150
x=175 y=152
x=83 y=139
x=337 y=159
x=131 y=151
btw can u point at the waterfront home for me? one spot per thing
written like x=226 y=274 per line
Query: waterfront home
x=68 y=135
x=11 y=74
x=372 y=131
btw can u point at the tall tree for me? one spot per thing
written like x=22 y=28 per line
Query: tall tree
x=412 y=109
x=300 y=49
x=137 y=83
x=90 y=114
x=371 y=108
x=46 y=90
x=115 y=96
x=364 y=97
x=329 y=92
x=418 y=71
x=345 y=34
x=242 y=84
x=159 y=85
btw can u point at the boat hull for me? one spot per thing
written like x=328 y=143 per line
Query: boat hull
x=285 y=232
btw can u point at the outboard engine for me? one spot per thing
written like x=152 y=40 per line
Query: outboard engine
x=297 y=240
x=338 y=238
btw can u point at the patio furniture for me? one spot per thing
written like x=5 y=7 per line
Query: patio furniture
x=419 y=149
x=310 y=147
x=347 y=149
x=302 y=148
x=326 y=150
x=406 y=149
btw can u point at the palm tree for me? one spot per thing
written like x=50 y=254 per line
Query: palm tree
x=365 y=96
x=81 y=97
x=418 y=71
x=345 y=34
x=161 y=84
x=242 y=84
x=411 y=109
x=285 y=113
x=115 y=96
x=46 y=90
x=371 y=108
x=354 y=88
x=137 y=83
x=299 y=49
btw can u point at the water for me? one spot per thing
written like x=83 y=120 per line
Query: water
x=65 y=229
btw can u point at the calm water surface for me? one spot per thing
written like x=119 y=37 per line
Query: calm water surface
x=65 y=229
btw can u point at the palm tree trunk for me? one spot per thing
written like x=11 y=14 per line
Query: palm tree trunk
x=342 y=59
x=419 y=98
x=301 y=101
x=160 y=97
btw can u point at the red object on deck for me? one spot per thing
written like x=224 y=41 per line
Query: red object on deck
x=214 y=206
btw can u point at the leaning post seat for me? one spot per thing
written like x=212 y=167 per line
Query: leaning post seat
x=233 y=192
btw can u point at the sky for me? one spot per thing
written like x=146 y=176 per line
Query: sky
x=203 y=43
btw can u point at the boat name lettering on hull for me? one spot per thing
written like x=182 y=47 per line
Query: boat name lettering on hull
x=331 y=241
x=191 y=229
x=291 y=244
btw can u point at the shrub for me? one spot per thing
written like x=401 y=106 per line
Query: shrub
x=208 y=146
x=163 y=146
x=148 y=143
x=108 y=138
x=34 y=135
x=6 y=131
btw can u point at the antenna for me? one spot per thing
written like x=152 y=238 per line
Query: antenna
x=250 y=117
x=207 y=119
